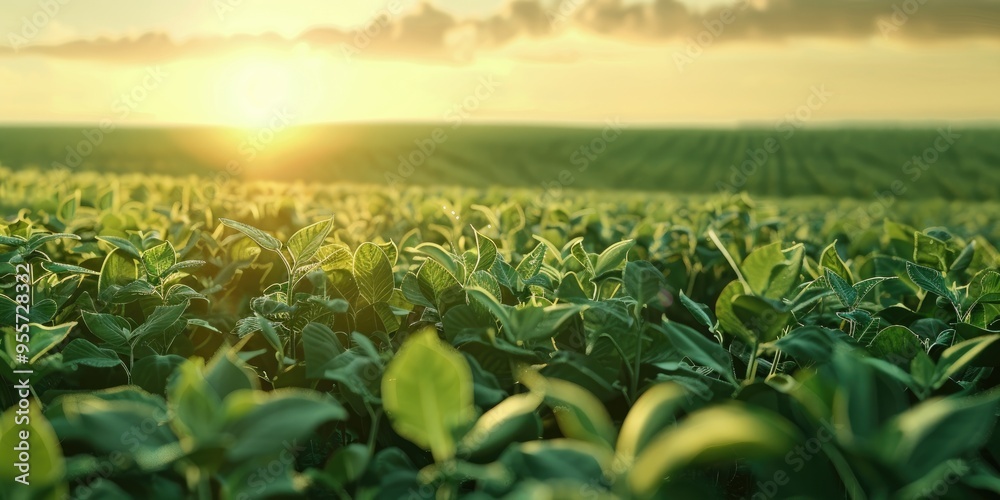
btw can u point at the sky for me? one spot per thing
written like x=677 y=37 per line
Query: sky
x=251 y=62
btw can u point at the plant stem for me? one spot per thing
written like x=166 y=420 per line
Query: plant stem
x=729 y=258
x=752 y=365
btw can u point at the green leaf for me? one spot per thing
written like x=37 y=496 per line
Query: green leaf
x=226 y=374
x=47 y=466
x=612 y=258
x=320 y=345
x=196 y=409
x=532 y=263
x=959 y=356
x=700 y=311
x=699 y=349
x=427 y=393
x=487 y=252
x=55 y=267
x=373 y=273
x=579 y=413
x=652 y=412
x=44 y=338
x=643 y=282
x=896 y=344
x=159 y=259
x=162 y=318
x=512 y=420
x=728 y=320
x=83 y=352
x=930 y=251
x=772 y=272
x=581 y=256
x=109 y=328
x=304 y=244
x=845 y=292
x=937 y=430
x=761 y=317
x=831 y=260
x=152 y=372
x=265 y=430
x=266 y=241
x=122 y=244
x=347 y=464
x=930 y=280
x=720 y=433
x=118 y=269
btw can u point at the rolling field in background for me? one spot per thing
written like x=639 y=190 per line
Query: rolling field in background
x=781 y=161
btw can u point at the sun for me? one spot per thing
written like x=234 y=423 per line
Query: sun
x=255 y=87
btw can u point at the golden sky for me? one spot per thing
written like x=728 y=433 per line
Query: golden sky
x=246 y=62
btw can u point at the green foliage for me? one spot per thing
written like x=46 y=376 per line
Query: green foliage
x=607 y=349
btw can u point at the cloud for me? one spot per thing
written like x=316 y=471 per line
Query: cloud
x=429 y=33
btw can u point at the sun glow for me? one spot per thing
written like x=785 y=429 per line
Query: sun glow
x=254 y=88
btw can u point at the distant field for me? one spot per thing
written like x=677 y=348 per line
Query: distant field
x=855 y=162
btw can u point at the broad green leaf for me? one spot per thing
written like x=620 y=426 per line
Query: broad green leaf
x=930 y=280
x=266 y=241
x=612 y=258
x=276 y=420
x=118 y=269
x=321 y=345
x=936 y=430
x=831 y=260
x=45 y=469
x=896 y=344
x=579 y=413
x=700 y=311
x=44 y=338
x=122 y=244
x=162 y=318
x=427 y=393
x=643 y=282
x=486 y=252
x=304 y=244
x=152 y=372
x=721 y=433
x=959 y=356
x=373 y=273
x=930 y=251
x=197 y=410
x=728 y=320
x=347 y=464
x=761 y=317
x=532 y=263
x=845 y=292
x=699 y=349
x=652 y=412
x=772 y=272
x=159 y=259
x=83 y=352
x=513 y=420
x=112 y=329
